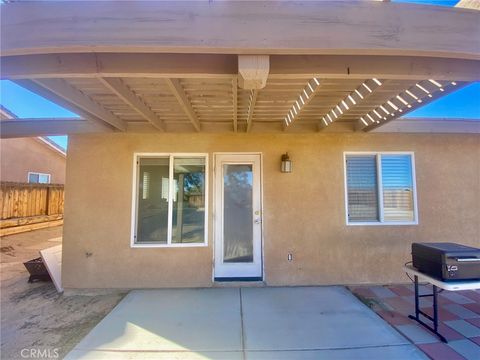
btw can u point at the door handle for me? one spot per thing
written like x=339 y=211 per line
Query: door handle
x=257 y=221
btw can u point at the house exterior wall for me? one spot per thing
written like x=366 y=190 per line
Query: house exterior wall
x=23 y=155
x=303 y=212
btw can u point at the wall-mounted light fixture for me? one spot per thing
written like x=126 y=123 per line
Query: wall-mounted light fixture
x=286 y=164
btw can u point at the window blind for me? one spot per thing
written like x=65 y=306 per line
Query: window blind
x=362 y=192
x=397 y=184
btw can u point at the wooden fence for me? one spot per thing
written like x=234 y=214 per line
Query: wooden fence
x=20 y=200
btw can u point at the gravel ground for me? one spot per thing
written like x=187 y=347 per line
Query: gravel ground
x=35 y=320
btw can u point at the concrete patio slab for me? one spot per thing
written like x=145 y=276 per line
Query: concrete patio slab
x=155 y=355
x=247 y=323
x=170 y=320
x=399 y=352
x=304 y=318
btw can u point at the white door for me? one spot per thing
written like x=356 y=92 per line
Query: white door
x=238 y=217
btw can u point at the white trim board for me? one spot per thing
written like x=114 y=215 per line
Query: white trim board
x=434 y=126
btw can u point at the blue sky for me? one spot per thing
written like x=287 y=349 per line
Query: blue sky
x=430 y=2
x=26 y=104
x=464 y=103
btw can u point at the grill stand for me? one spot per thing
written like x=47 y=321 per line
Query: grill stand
x=419 y=312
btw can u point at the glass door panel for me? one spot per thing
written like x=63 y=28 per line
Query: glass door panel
x=237 y=213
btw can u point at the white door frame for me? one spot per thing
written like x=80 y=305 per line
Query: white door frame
x=241 y=158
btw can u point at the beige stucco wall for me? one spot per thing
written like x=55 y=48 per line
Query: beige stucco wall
x=304 y=212
x=19 y=156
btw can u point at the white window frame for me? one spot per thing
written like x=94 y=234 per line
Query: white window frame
x=135 y=189
x=39 y=174
x=381 y=221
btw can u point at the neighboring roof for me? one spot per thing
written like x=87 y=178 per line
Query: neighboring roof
x=430 y=125
x=469 y=4
x=52 y=145
x=6 y=114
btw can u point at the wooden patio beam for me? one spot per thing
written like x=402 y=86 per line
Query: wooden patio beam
x=177 y=90
x=65 y=91
x=120 y=65
x=251 y=109
x=368 y=67
x=360 y=28
x=45 y=127
x=119 y=88
x=225 y=66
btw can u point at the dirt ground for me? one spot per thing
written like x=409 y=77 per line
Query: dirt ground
x=33 y=315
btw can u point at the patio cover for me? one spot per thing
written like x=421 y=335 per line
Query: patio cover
x=338 y=66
